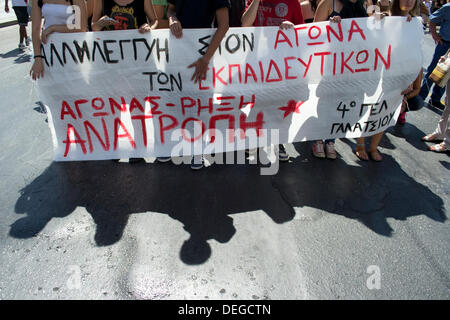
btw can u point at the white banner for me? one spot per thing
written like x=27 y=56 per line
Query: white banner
x=121 y=94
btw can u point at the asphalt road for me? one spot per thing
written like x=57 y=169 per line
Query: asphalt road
x=319 y=229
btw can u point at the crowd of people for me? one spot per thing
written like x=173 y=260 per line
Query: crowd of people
x=147 y=15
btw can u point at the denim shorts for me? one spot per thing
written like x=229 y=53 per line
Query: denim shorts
x=22 y=15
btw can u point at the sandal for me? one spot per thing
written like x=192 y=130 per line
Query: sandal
x=431 y=137
x=361 y=152
x=438 y=147
x=375 y=155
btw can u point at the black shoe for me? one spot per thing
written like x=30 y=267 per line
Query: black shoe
x=135 y=160
x=437 y=104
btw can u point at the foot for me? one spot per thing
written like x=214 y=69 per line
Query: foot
x=361 y=153
x=163 y=159
x=282 y=154
x=22 y=46
x=317 y=149
x=431 y=137
x=330 y=151
x=197 y=162
x=438 y=147
x=375 y=155
x=437 y=104
x=27 y=41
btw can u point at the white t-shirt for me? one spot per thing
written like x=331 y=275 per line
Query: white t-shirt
x=19 y=3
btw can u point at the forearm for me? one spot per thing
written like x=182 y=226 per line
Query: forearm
x=433 y=29
x=215 y=42
x=249 y=16
x=36 y=38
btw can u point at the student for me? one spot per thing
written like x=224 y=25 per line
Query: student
x=442 y=40
x=411 y=100
x=20 y=9
x=189 y=14
x=282 y=13
x=334 y=11
x=442 y=131
x=56 y=15
x=126 y=14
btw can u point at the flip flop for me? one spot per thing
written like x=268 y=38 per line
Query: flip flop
x=431 y=138
x=438 y=148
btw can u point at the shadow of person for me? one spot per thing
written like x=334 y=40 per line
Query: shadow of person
x=111 y=192
x=13 y=53
x=411 y=134
x=370 y=194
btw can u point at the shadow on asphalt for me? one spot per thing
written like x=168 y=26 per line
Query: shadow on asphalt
x=20 y=55
x=205 y=201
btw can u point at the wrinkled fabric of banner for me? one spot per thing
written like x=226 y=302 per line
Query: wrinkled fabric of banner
x=121 y=94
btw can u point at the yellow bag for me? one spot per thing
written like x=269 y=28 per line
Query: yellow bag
x=441 y=74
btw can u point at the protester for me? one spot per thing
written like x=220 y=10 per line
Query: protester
x=56 y=16
x=442 y=40
x=190 y=14
x=161 y=13
x=334 y=11
x=412 y=101
x=442 y=131
x=124 y=15
x=309 y=8
x=282 y=13
x=20 y=9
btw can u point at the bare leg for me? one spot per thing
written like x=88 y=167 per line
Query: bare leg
x=360 y=149
x=376 y=138
x=23 y=33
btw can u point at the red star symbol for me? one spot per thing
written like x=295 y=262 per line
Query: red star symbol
x=292 y=107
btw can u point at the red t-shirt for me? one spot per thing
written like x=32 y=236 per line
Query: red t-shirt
x=274 y=12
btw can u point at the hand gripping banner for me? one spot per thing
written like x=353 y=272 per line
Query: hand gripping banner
x=121 y=94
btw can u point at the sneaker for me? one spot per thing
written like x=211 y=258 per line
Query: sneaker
x=282 y=154
x=317 y=149
x=437 y=104
x=330 y=151
x=163 y=159
x=401 y=119
x=27 y=41
x=22 y=46
x=197 y=162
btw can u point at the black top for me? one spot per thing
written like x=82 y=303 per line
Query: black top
x=350 y=9
x=130 y=16
x=236 y=11
x=197 y=13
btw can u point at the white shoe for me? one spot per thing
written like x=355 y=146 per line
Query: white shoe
x=22 y=46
